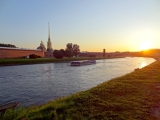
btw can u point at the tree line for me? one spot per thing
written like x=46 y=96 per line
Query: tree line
x=7 y=45
x=70 y=51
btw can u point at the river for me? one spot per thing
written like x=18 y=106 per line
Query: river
x=40 y=83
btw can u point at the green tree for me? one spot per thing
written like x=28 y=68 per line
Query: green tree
x=7 y=45
x=58 y=54
x=69 y=46
x=75 y=50
x=68 y=53
x=63 y=52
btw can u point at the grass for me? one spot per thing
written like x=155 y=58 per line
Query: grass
x=22 y=61
x=134 y=96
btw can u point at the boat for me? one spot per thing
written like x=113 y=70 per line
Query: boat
x=82 y=62
x=12 y=105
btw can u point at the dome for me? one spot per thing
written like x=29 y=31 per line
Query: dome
x=41 y=47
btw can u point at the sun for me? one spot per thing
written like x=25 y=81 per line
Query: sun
x=145 y=46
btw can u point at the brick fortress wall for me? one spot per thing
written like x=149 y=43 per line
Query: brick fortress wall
x=18 y=53
x=48 y=54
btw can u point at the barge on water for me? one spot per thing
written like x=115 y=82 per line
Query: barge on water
x=82 y=62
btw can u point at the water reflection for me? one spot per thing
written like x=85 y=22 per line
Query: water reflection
x=143 y=64
x=47 y=70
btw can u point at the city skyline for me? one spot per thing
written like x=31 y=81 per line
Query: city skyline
x=93 y=25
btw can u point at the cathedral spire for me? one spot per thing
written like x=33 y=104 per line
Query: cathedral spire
x=48 y=32
x=49 y=43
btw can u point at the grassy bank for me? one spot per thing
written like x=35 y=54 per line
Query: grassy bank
x=23 y=61
x=134 y=96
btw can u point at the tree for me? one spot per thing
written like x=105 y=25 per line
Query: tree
x=68 y=53
x=75 y=50
x=63 y=52
x=7 y=45
x=58 y=54
x=69 y=46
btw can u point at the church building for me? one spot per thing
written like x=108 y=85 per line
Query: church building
x=49 y=43
x=42 y=46
x=48 y=53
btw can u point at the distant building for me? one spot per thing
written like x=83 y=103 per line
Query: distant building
x=49 y=52
x=49 y=43
x=42 y=47
x=7 y=52
x=104 y=52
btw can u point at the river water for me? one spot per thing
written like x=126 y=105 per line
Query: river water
x=40 y=83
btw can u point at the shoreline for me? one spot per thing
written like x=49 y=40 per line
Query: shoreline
x=25 y=61
x=131 y=96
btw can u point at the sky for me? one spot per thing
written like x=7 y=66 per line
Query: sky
x=114 y=25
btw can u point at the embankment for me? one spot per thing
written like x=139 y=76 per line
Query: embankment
x=133 y=96
x=25 y=61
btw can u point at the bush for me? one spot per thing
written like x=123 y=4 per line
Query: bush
x=33 y=56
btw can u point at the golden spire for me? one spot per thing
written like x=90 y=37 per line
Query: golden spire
x=48 y=32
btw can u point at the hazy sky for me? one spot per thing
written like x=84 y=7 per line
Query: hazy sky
x=116 y=25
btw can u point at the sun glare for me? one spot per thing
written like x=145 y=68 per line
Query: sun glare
x=143 y=64
x=145 y=46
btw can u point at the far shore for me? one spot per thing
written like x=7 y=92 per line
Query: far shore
x=27 y=61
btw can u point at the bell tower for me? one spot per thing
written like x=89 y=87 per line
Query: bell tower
x=49 y=43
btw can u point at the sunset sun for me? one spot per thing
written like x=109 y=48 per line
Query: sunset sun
x=145 y=46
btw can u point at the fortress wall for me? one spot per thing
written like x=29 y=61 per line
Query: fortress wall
x=48 y=54
x=18 y=53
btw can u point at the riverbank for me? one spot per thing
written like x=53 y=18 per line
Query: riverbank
x=132 y=96
x=25 y=61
